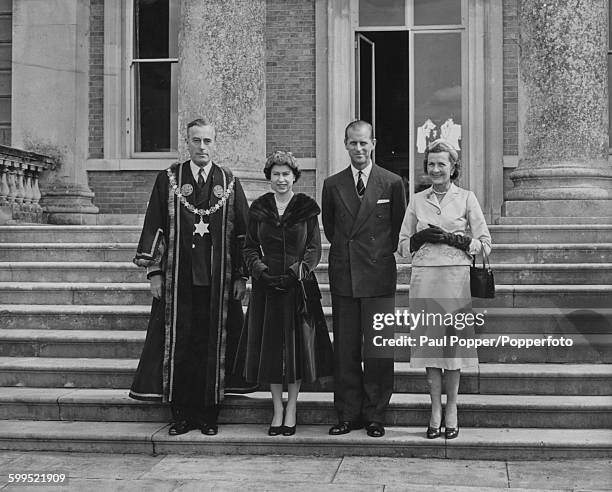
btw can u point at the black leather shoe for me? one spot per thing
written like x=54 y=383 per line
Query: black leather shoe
x=451 y=432
x=433 y=432
x=288 y=431
x=210 y=429
x=344 y=428
x=275 y=430
x=180 y=427
x=375 y=429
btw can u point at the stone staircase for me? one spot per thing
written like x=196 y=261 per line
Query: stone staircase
x=73 y=314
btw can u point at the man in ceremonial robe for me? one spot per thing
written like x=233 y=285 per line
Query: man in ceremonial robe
x=191 y=245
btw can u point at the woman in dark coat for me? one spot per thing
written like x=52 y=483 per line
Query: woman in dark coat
x=283 y=244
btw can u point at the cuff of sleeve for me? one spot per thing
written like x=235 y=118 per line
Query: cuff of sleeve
x=475 y=247
x=153 y=270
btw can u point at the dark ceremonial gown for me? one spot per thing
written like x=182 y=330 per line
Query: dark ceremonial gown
x=166 y=244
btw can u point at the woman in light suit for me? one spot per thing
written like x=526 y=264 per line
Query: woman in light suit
x=442 y=229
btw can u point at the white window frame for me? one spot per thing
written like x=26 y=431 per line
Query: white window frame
x=118 y=91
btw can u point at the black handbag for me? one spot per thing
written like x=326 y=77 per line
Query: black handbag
x=482 y=281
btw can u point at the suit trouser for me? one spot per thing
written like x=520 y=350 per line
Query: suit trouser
x=189 y=403
x=358 y=394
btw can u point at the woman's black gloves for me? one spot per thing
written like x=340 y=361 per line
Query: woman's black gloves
x=433 y=234
x=282 y=283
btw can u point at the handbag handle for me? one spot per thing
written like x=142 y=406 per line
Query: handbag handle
x=485 y=257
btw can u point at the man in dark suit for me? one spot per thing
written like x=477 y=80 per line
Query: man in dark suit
x=363 y=209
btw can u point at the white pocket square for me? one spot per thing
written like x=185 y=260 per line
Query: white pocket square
x=382 y=200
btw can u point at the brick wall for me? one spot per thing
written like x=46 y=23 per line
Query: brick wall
x=122 y=192
x=127 y=192
x=96 y=79
x=290 y=76
x=511 y=51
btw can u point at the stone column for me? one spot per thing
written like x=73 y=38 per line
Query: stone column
x=50 y=100
x=563 y=144
x=222 y=78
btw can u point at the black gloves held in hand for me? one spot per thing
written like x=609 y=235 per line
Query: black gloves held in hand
x=458 y=241
x=433 y=234
x=282 y=283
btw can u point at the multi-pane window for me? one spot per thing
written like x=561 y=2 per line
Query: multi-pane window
x=153 y=71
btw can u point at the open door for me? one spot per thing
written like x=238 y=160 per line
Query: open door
x=365 y=93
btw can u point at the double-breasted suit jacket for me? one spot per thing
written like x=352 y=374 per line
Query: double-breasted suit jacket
x=363 y=233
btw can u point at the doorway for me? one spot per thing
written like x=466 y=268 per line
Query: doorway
x=383 y=95
x=388 y=70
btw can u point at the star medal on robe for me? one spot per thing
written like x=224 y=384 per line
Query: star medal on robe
x=201 y=228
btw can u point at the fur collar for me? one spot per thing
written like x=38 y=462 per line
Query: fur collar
x=300 y=208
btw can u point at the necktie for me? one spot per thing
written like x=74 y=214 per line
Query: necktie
x=360 y=185
x=201 y=180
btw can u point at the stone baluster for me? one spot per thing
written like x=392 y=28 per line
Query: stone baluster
x=36 y=208
x=4 y=189
x=20 y=192
x=12 y=185
x=27 y=186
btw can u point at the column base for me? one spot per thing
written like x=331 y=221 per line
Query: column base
x=69 y=204
x=558 y=208
x=561 y=180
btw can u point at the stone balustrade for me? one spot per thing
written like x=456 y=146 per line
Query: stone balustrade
x=19 y=191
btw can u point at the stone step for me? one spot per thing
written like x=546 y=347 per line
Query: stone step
x=69 y=271
x=557 y=321
x=109 y=271
x=507 y=233
x=153 y=438
x=519 y=273
x=106 y=251
x=408 y=409
x=539 y=378
x=532 y=253
x=124 y=344
x=70 y=234
x=535 y=253
x=130 y=293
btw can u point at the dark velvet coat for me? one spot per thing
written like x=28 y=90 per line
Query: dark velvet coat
x=272 y=344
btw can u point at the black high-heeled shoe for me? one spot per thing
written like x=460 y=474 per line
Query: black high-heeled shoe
x=288 y=431
x=451 y=432
x=275 y=430
x=434 y=432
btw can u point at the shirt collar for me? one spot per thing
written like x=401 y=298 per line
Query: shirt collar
x=365 y=171
x=195 y=169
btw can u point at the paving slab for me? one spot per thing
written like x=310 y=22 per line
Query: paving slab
x=574 y=474
x=86 y=465
x=270 y=486
x=460 y=488
x=100 y=485
x=426 y=472
x=287 y=469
